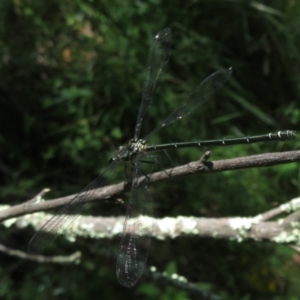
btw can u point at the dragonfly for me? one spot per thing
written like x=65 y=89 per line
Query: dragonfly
x=137 y=231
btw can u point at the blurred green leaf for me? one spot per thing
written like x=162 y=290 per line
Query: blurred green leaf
x=71 y=83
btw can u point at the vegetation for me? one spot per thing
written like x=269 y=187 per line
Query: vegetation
x=71 y=80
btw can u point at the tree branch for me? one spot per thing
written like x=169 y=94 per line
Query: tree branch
x=182 y=283
x=257 y=228
x=198 y=167
x=283 y=231
x=73 y=258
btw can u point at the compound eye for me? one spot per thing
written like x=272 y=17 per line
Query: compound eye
x=112 y=160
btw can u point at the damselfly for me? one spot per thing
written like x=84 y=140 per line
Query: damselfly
x=135 y=242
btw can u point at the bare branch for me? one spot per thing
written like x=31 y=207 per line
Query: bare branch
x=38 y=197
x=183 y=284
x=198 y=167
x=73 y=258
x=288 y=207
x=283 y=231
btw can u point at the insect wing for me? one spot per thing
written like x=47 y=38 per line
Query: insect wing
x=158 y=57
x=136 y=238
x=67 y=214
x=201 y=94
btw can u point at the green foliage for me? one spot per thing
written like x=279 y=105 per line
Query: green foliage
x=71 y=79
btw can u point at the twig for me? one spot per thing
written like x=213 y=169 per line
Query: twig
x=197 y=167
x=38 y=197
x=234 y=228
x=288 y=207
x=182 y=283
x=73 y=258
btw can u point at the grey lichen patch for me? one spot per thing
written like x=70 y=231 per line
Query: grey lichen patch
x=142 y=223
x=242 y=226
x=39 y=199
x=87 y=230
x=4 y=207
x=152 y=269
x=8 y=223
x=178 y=277
x=189 y=225
x=76 y=228
x=293 y=205
x=70 y=237
x=167 y=227
x=82 y=229
x=172 y=227
x=295 y=224
x=73 y=226
x=289 y=237
x=25 y=220
x=215 y=234
x=280 y=221
x=284 y=238
x=118 y=228
x=36 y=219
x=258 y=217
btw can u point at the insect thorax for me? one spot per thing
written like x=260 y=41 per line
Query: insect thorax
x=131 y=151
x=135 y=148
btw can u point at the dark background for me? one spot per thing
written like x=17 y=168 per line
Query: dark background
x=71 y=79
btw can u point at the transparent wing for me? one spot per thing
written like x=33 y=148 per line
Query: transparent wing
x=158 y=57
x=66 y=215
x=135 y=242
x=200 y=95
